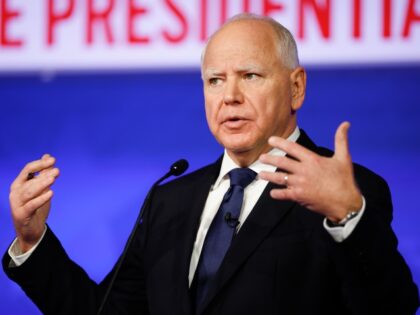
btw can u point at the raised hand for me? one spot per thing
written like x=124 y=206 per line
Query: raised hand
x=30 y=200
x=322 y=184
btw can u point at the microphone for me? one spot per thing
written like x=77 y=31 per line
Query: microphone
x=179 y=167
x=232 y=222
x=176 y=169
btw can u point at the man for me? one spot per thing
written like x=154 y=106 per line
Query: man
x=315 y=239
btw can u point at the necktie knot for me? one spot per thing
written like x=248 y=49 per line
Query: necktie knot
x=241 y=177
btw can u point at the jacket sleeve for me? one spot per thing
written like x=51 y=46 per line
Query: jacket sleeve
x=375 y=277
x=57 y=285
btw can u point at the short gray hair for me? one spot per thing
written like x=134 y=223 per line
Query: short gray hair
x=286 y=43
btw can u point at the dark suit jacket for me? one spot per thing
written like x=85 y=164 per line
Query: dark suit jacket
x=282 y=261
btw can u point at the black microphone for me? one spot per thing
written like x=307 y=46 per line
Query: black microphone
x=232 y=222
x=176 y=169
x=179 y=167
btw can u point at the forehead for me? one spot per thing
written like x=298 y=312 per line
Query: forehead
x=246 y=41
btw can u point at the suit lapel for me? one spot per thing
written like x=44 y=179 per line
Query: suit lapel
x=265 y=216
x=305 y=141
x=195 y=204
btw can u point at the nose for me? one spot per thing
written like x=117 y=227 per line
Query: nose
x=232 y=93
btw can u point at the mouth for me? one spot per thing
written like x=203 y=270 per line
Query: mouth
x=234 y=122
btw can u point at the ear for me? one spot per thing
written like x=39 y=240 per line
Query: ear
x=298 y=87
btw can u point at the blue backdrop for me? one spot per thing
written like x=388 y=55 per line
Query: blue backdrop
x=115 y=133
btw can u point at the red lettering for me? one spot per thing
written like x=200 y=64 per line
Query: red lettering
x=411 y=18
x=223 y=11
x=54 y=18
x=94 y=16
x=269 y=7
x=182 y=20
x=356 y=18
x=134 y=11
x=246 y=6
x=386 y=26
x=322 y=13
x=203 y=19
x=6 y=16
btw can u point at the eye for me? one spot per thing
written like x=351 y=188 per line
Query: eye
x=251 y=76
x=215 y=81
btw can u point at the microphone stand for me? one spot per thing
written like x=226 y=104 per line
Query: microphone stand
x=176 y=169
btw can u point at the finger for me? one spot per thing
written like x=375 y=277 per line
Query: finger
x=45 y=157
x=282 y=194
x=49 y=172
x=341 y=141
x=279 y=178
x=31 y=206
x=291 y=148
x=35 y=188
x=33 y=167
x=32 y=175
x=285 y=163
x=52 y=172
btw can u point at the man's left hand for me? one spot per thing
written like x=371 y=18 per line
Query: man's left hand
x=325 y=185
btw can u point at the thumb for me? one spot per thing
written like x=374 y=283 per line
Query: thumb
x=341 y=141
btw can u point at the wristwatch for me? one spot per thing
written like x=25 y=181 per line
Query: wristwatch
x=351 y=215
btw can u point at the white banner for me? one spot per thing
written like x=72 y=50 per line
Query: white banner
x=137 y=34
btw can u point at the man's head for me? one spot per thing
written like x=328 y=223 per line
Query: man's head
x=253 y=85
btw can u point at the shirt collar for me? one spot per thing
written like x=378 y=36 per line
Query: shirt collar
x=228 y=164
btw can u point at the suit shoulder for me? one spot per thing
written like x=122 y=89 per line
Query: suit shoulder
x=208 y=172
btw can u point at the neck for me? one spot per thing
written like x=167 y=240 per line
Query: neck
x=247 y=157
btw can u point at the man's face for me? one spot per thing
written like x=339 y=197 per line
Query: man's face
x=247 y=90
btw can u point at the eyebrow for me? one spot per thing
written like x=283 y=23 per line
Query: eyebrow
x=211 y=72
x=247 y=68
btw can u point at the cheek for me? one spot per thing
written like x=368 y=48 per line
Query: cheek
x=211 y=113
x=271 y=114
x=263 y=110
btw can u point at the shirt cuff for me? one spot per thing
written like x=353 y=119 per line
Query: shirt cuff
x=15 y=252
x=341 y=233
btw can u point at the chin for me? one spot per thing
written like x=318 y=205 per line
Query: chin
x=237 y=144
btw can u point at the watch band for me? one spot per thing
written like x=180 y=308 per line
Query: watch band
x=342 y=222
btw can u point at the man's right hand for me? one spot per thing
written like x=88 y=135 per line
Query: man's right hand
x=30 y=200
